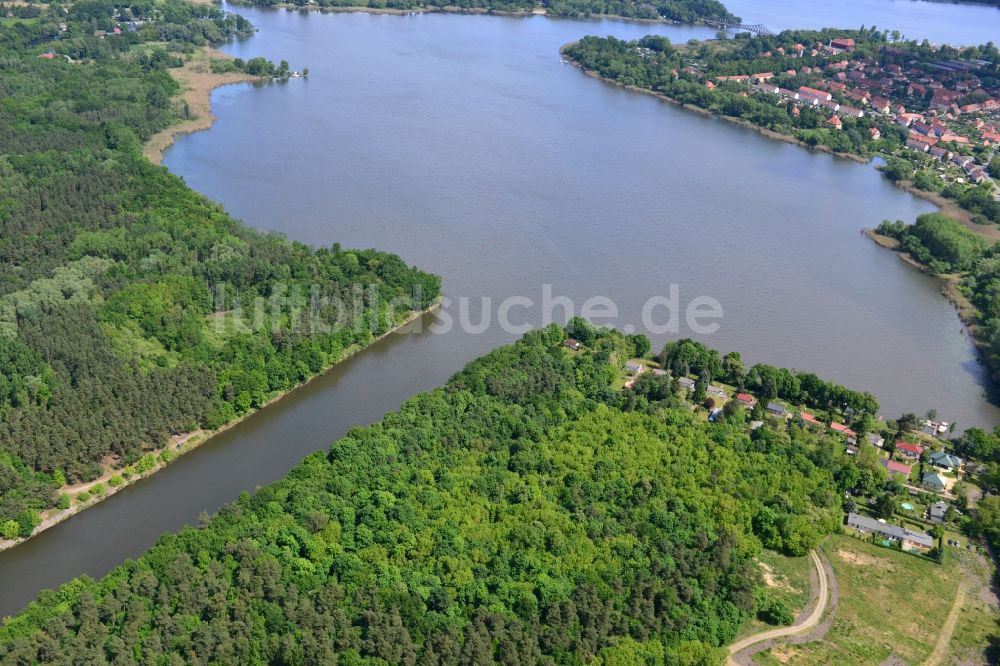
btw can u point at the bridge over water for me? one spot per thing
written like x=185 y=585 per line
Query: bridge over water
x=755 y=28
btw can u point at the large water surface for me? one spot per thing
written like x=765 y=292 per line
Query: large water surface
x=464 y=144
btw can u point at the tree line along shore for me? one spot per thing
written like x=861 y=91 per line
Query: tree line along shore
x=931 y=112
x=113 y=272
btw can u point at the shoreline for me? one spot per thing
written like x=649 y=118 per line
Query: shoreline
x=966 y=311
x=177 y=445
x=946 y=206
x=771 y=134
x=197 y=82
x=453 y=9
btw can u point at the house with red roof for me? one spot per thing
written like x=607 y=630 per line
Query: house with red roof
x=48 y=56
x=842 y=44
x=880 y=104
x=747 y=399
x=896 y=467
x=834 y=122
x=806 y=91
x=912 y=451
x=841 y=428
x=810 y=419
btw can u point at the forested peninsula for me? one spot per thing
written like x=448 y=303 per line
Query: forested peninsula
x=113 y=272
x=678 y=11
x=530 y=511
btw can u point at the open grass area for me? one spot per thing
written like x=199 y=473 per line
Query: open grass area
x=786 y=579
x=979 y=617
x=13 y=20
x=895 y=604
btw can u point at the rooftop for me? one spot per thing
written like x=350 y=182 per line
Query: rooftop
x=894 y=531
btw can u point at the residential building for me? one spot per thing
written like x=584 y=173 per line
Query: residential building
x=909 y=539
x=934 y=481
x=810 y=419
x=945 y=461
x=874 y=439
x=896 y=468
x=911 y=451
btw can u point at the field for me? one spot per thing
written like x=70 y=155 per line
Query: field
x=896 y=607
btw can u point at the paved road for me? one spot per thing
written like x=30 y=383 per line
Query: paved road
x=808 y=623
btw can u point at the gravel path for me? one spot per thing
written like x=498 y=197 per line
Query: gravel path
x=812 y=624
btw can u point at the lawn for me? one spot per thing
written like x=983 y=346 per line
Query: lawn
x=892 y=603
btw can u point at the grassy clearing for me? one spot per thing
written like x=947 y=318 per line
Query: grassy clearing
x=6 y=21
x=979 y=618
x=786 y=579
x=892 y=603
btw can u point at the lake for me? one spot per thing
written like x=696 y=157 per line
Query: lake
x=940 y=22
x=464 y=144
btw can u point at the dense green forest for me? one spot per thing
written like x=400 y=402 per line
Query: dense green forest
x=111 y=269
x=524 y=513
x=682 y=11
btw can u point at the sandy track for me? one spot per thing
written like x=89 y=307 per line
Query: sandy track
x=804 y=625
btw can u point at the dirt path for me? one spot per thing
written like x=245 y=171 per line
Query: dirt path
x=804 y=625
x=944 y=636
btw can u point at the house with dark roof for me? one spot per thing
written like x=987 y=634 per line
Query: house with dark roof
x=945 y=461
x=777 y=409
x=572 y=344
x=938 y=512
x=934 y=481
x=874 y=439
x=909 y=539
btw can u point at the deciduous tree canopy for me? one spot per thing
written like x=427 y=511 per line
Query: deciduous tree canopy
x=524 y=513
